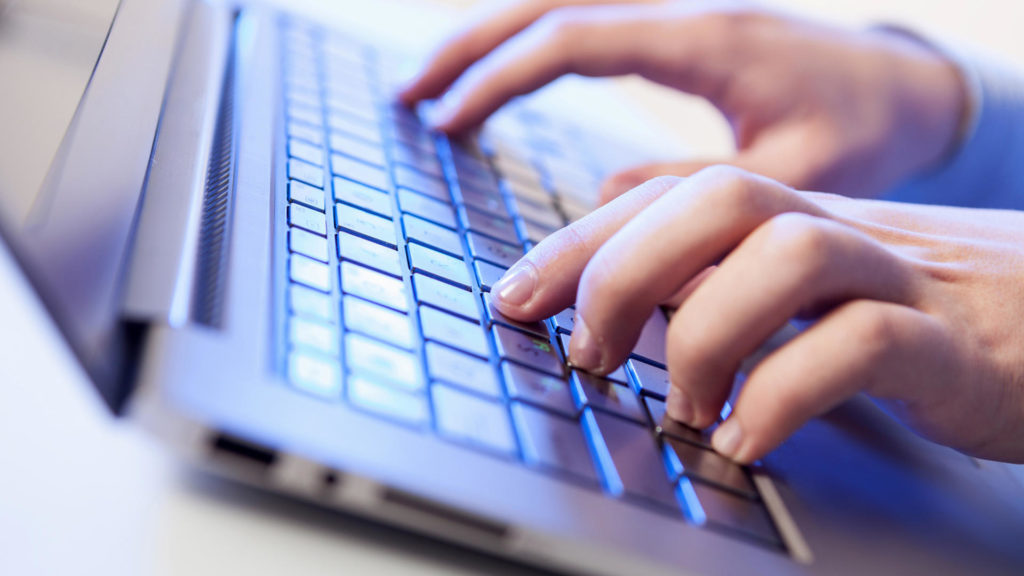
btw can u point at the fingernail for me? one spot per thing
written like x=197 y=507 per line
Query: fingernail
x=679 y=407
x=516 y=287
x=584 y=352
x=726 y=440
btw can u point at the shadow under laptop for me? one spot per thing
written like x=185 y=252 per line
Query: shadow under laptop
x=279 y=528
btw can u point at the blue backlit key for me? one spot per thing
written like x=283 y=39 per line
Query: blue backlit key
x=650 y=379
x=307 y=244
x=365 y=224
x=473 y=421
x=384 y=363
x=305 y=151
x=428 y=186
x=306 y=172
x=539 y=389
x=492 y=226
x=463 y=370
x=553 y=442
x=313 y=374
x=360 y=172
x=426 y=207
x=362 y=196
x=307 y=195
x=438 y=264
x=368 y=394
x=532 y=351
x=453 y=331
x=370 y=254
x=445 y=296
x=307 y=302
x=357 y=149
x=307 y=219
x=432 y=235
x=493 y=251
x=376 y=321
x=487 y=274
x=313 y=335
x=630 y=460
x=373 y=286
x=607 y=396
x=309 y=272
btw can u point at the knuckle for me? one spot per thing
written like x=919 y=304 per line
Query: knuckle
x=875 y=329
x=561 y=23
x=727 y=189
x=663 y=182
x=799 y=239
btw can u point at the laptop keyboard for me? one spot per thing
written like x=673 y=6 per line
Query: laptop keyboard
x=394 y=236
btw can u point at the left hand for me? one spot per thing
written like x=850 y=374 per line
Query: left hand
x=921 y=307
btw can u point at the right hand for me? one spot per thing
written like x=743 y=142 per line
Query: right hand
x=815 y=107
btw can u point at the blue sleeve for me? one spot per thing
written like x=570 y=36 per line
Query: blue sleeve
x=987 y=170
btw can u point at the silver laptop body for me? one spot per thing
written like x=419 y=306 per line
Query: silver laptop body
x=162 y=238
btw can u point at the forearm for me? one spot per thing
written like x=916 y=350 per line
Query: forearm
x=986 y=170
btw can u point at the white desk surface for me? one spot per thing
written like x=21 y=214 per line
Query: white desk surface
x=83 y=494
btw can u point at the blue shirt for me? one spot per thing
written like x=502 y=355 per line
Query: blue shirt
x=987 y=170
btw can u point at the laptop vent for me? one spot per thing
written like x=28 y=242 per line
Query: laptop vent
x=211 y=263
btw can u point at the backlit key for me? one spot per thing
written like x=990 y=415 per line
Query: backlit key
x=365 y=224
x=473 y=421
x=313 y=374
x=370 y=254
x=307 y=219
x=531 y=351
x=463 y=370
x=373 y=286
x=306 y=172
x=385 y=363
x=367 y=394
x=362 y=196
x=307 y=302
x=360 y=172
x=437 y=264
x=307 y=244
x=376 y=321
x=305 y=194
x=309 y=272
x=445 y=296
x=453 y=331
x=432 y=235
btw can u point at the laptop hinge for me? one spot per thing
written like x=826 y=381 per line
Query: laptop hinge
x=166 y=255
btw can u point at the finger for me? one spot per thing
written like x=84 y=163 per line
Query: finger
x=475 y=41
x=677 y=299
x=773 y=158
x=468 y=46
x=792 y=263
x=591 y=41
x=544 y=281
x=661 y=249
x=862 y=345
x=622 y=182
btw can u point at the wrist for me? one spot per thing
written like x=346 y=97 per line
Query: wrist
x=936 y=101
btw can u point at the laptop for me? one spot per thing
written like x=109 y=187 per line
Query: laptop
x=284 y=276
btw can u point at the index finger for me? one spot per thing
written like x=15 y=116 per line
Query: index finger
x=475 y=41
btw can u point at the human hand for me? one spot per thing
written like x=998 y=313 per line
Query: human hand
x=815 y=107
x=918 y=306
